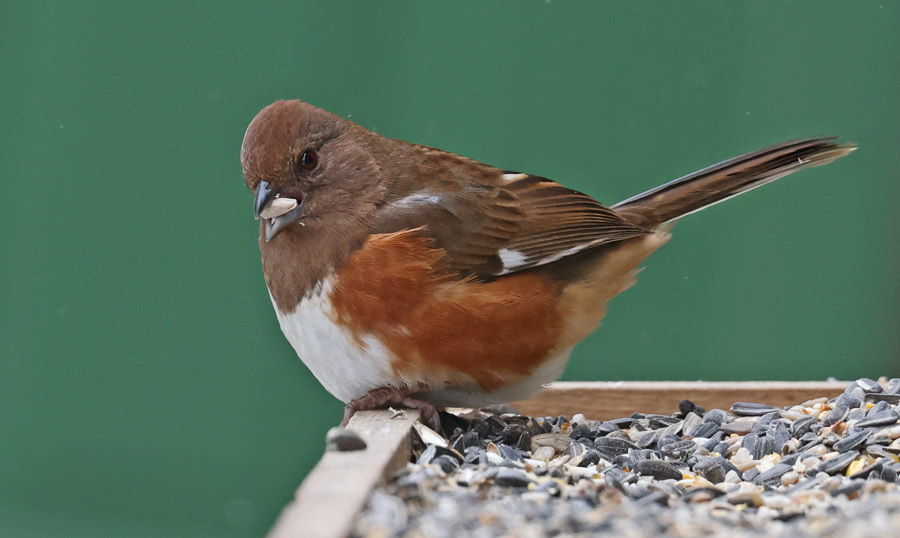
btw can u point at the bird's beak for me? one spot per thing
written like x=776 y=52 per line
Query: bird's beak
x=277 y=212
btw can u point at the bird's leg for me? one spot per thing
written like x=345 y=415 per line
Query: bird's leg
x=378 y=398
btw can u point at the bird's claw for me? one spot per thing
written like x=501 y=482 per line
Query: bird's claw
x=378 y=398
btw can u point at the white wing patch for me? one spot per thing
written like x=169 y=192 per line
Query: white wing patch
x=514 y=177
x=512 y=259
x=417 y=199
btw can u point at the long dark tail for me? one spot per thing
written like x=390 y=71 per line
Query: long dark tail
x=722 y=181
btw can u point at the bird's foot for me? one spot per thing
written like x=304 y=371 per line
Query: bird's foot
x=378 y=398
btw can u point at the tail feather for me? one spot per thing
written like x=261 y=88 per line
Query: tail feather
x=727 y=179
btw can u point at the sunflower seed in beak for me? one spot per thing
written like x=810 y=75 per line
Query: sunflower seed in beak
x=277 y=207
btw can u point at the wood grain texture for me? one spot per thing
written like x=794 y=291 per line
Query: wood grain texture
x=338 y=487
x=603 y=400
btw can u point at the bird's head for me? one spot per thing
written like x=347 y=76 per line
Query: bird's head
x=308 y=168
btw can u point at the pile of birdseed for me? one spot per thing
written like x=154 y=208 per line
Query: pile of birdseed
x=820 y=468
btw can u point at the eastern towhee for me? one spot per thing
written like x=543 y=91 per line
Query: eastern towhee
x=405 y=274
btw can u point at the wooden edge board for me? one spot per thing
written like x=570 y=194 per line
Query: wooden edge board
x=603 y=400
x=337 y=488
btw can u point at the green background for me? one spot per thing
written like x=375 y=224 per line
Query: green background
x=146 y=389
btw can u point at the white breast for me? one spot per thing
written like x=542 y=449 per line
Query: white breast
x=346 y=367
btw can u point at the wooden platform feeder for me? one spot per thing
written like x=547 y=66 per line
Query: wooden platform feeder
x=336 y=490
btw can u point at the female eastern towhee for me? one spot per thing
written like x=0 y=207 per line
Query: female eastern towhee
x=402 y=273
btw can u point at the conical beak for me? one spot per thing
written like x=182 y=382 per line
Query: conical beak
x=264 y=195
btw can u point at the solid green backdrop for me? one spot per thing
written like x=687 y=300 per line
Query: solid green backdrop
x=146 y=388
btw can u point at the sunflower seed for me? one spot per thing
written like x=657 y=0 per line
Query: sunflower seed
x=658 y=469
x=851 y=442
x=751 y=409
x=839 y=463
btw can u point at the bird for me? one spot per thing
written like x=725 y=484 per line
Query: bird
x=405 y=275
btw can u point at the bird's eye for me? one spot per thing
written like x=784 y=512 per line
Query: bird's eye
x=309 y=159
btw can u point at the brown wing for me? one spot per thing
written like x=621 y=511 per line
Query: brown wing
x=559 y=222
x=522 y=221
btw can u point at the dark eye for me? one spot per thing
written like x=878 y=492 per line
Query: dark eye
x=309 y=159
